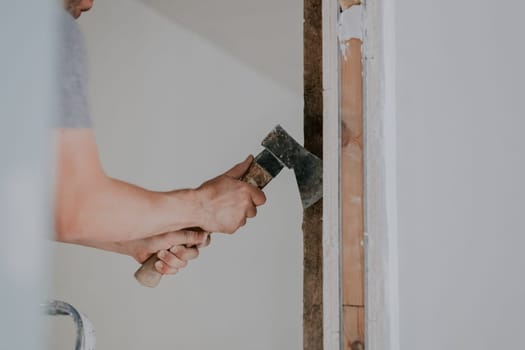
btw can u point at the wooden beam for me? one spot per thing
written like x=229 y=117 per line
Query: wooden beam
x=322 y=317
x=352 y=174
x=313 y=141
x=354 y=327
x=352 y=193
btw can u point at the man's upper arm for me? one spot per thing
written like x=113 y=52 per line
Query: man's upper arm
x=78 y=175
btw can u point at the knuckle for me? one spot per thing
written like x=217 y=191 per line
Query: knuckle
x=259 y=198
x=246 y=203
x=243 y=222
x=163 y=256
x=170 y=258
x=178 y=253
x=163 y=268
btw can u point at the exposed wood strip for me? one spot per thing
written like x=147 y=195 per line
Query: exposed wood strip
x=352 y=174
x=313 y=141
x=354 y=327
x=352 y=189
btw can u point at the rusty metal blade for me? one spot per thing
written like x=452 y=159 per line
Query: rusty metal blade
x=307 y=167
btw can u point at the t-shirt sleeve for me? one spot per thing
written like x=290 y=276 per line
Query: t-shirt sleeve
x=72 y=77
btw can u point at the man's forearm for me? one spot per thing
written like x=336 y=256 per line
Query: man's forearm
x=91 y=207
x=110 y=210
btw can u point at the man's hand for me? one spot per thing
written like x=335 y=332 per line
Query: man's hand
x=92 y=208
x=174 y=249
x=227 y=202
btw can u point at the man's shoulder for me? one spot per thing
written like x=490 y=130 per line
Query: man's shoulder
x=70 y=35
x=72 y=70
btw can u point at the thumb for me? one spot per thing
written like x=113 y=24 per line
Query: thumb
x=238 y=170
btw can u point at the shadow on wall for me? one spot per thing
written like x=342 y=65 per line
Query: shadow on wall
x=266 y=33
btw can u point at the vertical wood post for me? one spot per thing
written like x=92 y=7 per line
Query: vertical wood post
x=352 y=196
x=352 y=174
x=322 y=230
x=313 y=141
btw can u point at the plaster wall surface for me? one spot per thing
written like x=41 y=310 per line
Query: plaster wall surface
x=174 y=103
x=460 y=170
x=27 y=105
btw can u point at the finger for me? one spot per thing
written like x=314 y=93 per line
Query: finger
x=251 y=211
x=186 y=237
x=171 y=259
x=258 y=196
x=206 y=242
x=242 y=223
x=195 y=237
x=185 y=253
x=164 y=269
x=238 y=170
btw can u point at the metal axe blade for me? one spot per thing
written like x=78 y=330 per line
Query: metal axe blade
x=307 y=167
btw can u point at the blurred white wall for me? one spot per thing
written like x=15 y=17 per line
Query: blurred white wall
x=174 y=105
x=27 y=105
x=461 y=167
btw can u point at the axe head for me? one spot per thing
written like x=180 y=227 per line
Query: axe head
x=307 y=167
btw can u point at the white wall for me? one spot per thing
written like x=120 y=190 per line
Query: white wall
x=27 y=104
x=177 y=99
x=460 y=145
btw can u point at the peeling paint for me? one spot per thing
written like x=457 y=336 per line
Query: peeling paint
x=345 y=4
x=350 y=27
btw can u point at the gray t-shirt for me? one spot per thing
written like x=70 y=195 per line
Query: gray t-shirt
x=72 y=79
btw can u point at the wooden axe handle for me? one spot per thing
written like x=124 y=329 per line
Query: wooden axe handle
x=148 y=276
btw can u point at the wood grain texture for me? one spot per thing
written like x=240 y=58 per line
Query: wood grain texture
x=313 y=141
x=257 y=176
x=354 y=327
x=352 y=194
x=352 y=174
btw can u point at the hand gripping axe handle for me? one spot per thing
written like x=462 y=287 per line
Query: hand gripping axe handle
x=280 y=150
x=262 y=170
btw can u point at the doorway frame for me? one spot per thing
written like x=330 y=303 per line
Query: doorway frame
x=380 y=196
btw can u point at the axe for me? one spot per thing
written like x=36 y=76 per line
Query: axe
x=280 y=150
